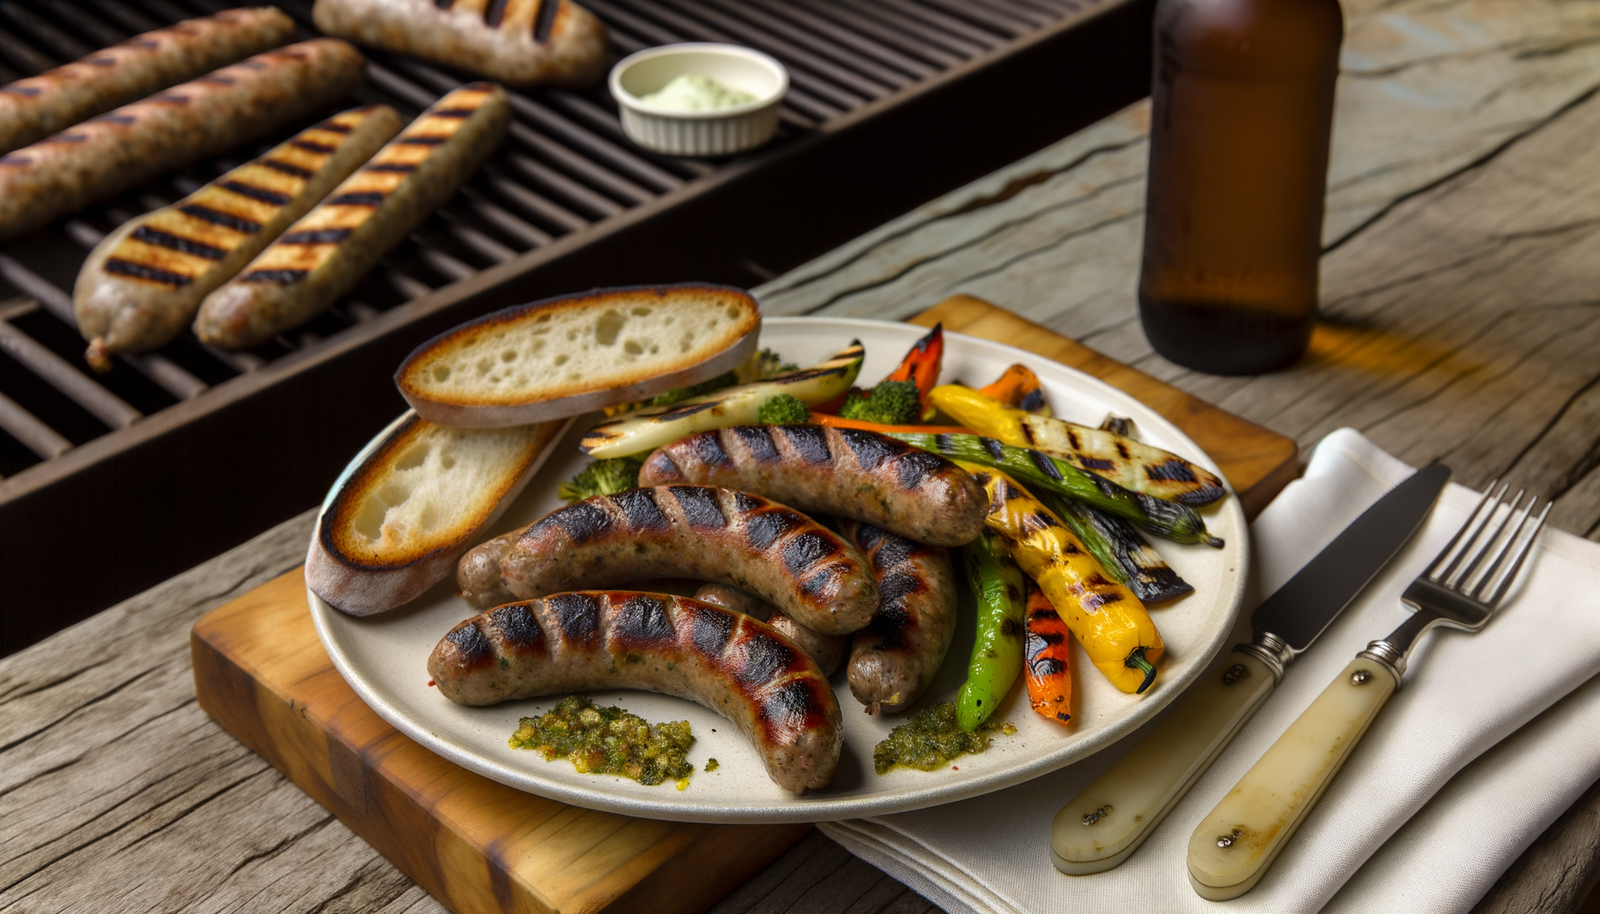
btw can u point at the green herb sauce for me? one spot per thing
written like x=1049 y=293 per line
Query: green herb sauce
x=932 y=738
x=609 y=741
x=693 y=92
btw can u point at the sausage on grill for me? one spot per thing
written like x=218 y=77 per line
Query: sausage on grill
x=845 y=472
x=826 y=650
x=718 y=658
x=33 y=108
x=523 y=43
x=894 y=659
x=329 y=249
x=65 y=172
x=773 y=552
x=142 y=283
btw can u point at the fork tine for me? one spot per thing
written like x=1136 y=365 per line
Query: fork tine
x=1522 y=553
x=1445 y=552
x=1482 y=544
x=1468 y=534
x=1505 y=545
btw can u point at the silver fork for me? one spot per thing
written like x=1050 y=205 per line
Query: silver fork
x=1237 y=842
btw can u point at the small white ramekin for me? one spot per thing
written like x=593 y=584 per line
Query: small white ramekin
x=699 y=133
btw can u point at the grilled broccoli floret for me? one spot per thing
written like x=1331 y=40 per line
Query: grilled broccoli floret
x=783 y=409
x=604 y=477
x=890 y=403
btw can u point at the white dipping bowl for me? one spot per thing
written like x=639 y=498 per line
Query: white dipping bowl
x=699 y=133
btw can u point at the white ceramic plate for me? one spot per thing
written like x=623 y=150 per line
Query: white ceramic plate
x=384 y=657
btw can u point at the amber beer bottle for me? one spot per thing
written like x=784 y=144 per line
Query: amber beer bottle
x=1242 y=110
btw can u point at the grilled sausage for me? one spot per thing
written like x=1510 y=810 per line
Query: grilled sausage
x=33 y=108
x=894 y=659
x=142 y=283
x=845 y=472
x=726 y=661
x=777 y=554
x=328 y=250
x=825 y=650
x=522 y=43
x=65 y=172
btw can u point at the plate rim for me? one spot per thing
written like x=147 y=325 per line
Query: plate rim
x=800 y=809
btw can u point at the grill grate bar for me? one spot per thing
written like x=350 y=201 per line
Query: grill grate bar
x=606 y=122
x=843 y=36
x=132 y=20
x=571 y=191
x=830 y=48
x=492 y=213
x=20 y=57
x=101 y=403
x=26 y=428
x=534 y=204
x=54 y=40
x=966 y=41
x=575 y=164
x=94 y=27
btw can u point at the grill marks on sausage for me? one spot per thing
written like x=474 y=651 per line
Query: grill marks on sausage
x=642 y=621
x=318 y=236
x=870 y=450
x=582 y=521
x=264 y=194
x=313 y=146
x=699 y=506
x=804 y=552
x=758 y=439
x=762 y=529
x=545 y=20
x=281 y=277
x=218 y=217
x=641 y=512
x=474 y=649
x=178 y=243
x=133 y=270
x=578 y=615
x=494 y=12
x=518 y=627
x=915 y=467
x=288 y=168
x=808 y=442
x=373 y=198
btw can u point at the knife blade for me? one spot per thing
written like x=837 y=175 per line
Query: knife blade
x=1102 y=826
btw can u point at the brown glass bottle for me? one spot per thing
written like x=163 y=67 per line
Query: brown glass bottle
x=1242 y=110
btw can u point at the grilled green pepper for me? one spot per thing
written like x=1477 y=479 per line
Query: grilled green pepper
x=996 y=660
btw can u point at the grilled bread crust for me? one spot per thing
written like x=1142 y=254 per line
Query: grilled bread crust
x=63 y=173
x=401 y=520
x=605 y=346
x=33 y=108
x=328 y=250
x=522 y=43
x=142 y=283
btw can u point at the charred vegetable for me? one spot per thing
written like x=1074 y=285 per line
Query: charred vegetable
x=1119 y=549
x=648 y=429
x=1131 y=464
x=603 y=477
x=1174 y=521
x=1046 y=658
x=1108 y=620
x=997 y=583
x=1019 y=388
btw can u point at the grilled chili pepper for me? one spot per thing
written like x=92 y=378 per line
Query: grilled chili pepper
x=997 y=654
x=1046 y=658
x=921 y=364
x=1119 y=549
x=1108 y=620
x=1174 y=521
x=1019 y=388
x=1128 y=463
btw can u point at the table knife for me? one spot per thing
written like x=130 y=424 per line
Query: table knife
x=1106 y=823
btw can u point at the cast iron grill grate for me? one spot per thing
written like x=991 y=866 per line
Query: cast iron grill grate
x=564 y=168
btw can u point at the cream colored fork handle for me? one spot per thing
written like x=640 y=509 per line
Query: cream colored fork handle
x=1106 y=823
x=1234 y=845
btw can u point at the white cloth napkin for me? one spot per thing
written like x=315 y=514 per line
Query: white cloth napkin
x=1462 y=695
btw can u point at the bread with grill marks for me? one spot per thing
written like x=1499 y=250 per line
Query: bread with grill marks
x=141 y=284
x=423 y=495
x=327 y=251
x=522 y=43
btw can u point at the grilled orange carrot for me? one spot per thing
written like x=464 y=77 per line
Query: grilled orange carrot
x=1046 y=665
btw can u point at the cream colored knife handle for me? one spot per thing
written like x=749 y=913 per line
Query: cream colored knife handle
x=1236 y=843
x=1106 y=823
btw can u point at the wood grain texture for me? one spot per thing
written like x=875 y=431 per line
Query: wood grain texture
x=475 y=845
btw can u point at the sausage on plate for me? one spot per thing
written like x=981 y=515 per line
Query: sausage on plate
x=826 y=650
x=845 y=472
x=329 y=249
x=775 y=553
x=33 y=108
x=103 y=156
x=523 y=43
x=894 y=659
x=724 y=660
x=142 y=283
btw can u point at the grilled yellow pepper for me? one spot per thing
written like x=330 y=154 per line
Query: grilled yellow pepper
x=1108 y=620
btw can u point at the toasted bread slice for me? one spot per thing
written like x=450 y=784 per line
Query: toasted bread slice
x=564 y=356
x=403 y=517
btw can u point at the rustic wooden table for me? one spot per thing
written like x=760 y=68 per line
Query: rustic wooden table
x=1461 y=325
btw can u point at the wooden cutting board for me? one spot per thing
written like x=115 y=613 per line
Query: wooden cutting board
x=478 y=846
